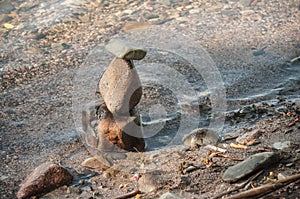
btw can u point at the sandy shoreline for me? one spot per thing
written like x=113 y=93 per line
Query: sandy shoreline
x=39 y=61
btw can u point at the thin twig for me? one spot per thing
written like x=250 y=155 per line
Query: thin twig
x=129 y=195
x=229 y=157
x=265 y=189
x=237 y=187
x=214 y=148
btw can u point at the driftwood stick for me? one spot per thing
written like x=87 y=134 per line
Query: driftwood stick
x=238 y=186
x=129 y=195
x=265 y=189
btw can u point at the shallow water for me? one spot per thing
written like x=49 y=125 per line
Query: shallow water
x=177 y=100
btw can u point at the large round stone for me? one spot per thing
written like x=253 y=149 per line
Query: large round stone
x=120 y=87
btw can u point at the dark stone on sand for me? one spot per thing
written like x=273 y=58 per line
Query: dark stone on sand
x=259 y=52
x=250 y=165
x=44 y=179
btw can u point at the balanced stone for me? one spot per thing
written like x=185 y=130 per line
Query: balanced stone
x=120 y=86
x=125 y=50
x=117 y=127
x=253 y=163
x=125 y=133
x=200 y=137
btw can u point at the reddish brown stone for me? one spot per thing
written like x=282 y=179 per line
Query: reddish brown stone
x=44 y=179
x=125 y=134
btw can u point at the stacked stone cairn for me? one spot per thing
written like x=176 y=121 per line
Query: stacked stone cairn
x=121 y=90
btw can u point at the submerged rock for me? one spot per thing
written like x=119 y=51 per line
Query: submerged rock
x=125 y=50
x=44 y=179
x=200 y=137
x=120 y=87
x=253 y=163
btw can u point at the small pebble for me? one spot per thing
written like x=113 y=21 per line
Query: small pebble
x=81 y=182
x=190 y=169
x=200 y=136
x=280 y=176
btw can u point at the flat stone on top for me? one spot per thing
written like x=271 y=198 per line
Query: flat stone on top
x=125 y=50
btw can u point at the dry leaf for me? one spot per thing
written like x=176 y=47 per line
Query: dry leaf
x=8 y=26
x=208 y=159
x=212 y=155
